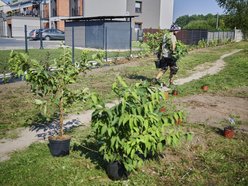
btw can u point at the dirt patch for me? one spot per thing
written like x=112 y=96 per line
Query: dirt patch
x=215 y=109
x=216 y=67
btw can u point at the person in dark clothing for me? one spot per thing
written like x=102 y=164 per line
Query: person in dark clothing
x=165 y=55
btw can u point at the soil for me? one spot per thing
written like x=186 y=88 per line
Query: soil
x=215 y=109
x=203 y=109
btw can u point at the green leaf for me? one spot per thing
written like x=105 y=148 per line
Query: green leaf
x=122 y=82
x=102 y=148
x=160 y=147
x=175 y=116
x=131 y=123
x=113 y=140
x=132 y=153
x=104 y=129
x=169 y=140
x=150 y=107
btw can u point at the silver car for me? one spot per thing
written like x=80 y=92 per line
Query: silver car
x=47 y=34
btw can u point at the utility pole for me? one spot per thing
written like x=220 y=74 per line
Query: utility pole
x=217 y=22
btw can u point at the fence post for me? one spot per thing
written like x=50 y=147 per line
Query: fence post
x=26 y=39
x=73 y=45
x=41 y=42
x=130 y=45
x=106 y=44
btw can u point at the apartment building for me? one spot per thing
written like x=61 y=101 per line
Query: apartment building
x=151 y=13
x=156 y=14
x=13 y=17
x=60 y=9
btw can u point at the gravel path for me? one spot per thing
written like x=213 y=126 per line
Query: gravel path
x=39 y=133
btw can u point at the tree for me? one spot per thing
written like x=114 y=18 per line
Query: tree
x=202 y=22
x=183 y=20
x=199 y=24
x=237 y=11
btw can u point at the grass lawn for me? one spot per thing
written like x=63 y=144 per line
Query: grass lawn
x=18 y=109
x=209 y=159
x=232 y=76
x=41 y=55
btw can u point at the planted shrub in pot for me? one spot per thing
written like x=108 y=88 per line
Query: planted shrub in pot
x=50 y=82
x=135 y=128
x=205 y=87
x=175 y=92
x=229 y=130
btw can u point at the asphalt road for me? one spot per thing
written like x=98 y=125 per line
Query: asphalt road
x=19 y=43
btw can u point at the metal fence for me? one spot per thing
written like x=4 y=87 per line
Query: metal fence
x=220 y=35
x=193 y=36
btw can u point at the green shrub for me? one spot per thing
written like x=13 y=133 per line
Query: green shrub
x=202 y=43
x=135 y=128
x=155 y=41
x=181 y=50
x=50 y=81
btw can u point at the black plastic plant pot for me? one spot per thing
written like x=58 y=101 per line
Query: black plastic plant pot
x=157 y=63
x=59 y=147
x=116 y=171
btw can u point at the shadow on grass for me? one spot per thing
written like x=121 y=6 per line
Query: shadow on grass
x=218 y=131
x=89 y=149
x=9 y=79
x=139 y=77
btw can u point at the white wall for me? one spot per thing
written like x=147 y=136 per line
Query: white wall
x=166 y=13
x=238 y=35
x=104 y=8
x=3 y=28
x=19 y=22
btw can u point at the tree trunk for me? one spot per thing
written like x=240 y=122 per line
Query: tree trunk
x=61 y=120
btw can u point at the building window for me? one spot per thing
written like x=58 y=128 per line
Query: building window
x=138 y=26
x=138 y=6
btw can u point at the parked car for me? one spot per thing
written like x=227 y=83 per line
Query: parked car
x=47 y=34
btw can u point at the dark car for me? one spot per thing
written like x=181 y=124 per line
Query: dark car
x=47 y=34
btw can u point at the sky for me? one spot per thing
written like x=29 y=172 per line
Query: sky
x=191 y=7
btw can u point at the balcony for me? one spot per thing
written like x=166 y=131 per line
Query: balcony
x=29 y=13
